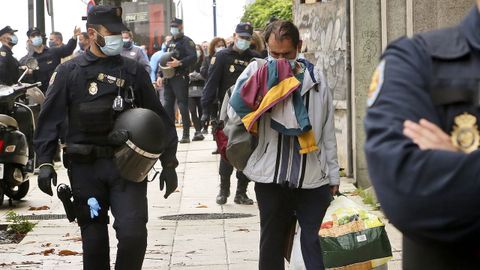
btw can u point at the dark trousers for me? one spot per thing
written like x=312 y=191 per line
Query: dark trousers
x=277 y=205
x=128 y=203
x=225 y=170
x=195 y=107
x=421 y=256
x=176 y=88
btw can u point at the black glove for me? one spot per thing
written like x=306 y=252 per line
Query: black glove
x=168 y=177
x=46 y=177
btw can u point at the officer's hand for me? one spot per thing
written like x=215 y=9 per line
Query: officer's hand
x=168 y=177
x=334 y=189
x=76 y=32
x=428 y=136
x=174 y=63
x=159 y=82
x=47 y=176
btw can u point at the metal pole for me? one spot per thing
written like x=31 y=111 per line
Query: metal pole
x=52 y=19
x=40 y=11
x=348 y=70
x=31 y=12
x=214 y=18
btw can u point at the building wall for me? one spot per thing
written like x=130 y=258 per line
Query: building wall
x=373 y=24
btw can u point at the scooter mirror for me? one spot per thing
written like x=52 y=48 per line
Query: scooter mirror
x=32 y=63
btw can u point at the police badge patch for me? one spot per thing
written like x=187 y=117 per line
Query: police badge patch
x=52 y=79
x=93 y=89
x=3 y=54
x=465 y=135
x=232 y=68
x=376 y=84
x=212 y=62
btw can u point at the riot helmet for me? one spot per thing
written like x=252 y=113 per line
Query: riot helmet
x=168 y=72
x=138 y=134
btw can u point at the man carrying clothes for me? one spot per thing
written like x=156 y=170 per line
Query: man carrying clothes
x=95 y=90
x=285 y=102
x=184 y=55
x=225 y=67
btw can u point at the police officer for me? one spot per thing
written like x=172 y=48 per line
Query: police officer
x=92 y=90
x=134 y=52
x=176 y=87
x=225 y=67
x=48 y=58
x=422 y=144
x=9 y=72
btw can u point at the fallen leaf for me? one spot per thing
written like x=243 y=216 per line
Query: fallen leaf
x=67 y=235
x=33 y=208
x=199 y=205
x=32 y=253
x=46 y=245
x=48 y=252
x=242 y=230
x=66 y=252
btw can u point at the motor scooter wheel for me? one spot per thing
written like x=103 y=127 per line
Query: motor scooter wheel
x=17 y=193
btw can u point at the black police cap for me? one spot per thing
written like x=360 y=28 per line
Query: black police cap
x=33 y=31
x=108 y=16
x=176 y=22
x=7 y=29
x=244 y=30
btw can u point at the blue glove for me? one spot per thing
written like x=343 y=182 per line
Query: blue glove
x=94 y=207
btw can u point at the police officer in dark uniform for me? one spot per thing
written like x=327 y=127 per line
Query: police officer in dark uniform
x=184 y=56
x=225 y=67
x=422 y=144
x=93 y=89
x=48 y=58
x=9 y=72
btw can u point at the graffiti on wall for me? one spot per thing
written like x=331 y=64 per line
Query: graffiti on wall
x=323 y=30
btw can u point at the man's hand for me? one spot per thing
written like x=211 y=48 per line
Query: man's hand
x=334 y=189
x=174 y=63
x=428 y=136
x=47 y=176
x=159 y=82
x=168 y=177
x=76 y=32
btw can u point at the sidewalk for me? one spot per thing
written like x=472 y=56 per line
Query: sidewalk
x=172 y=244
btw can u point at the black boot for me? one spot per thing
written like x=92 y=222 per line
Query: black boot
x=186 y=136
x=198 y=136
x=224 y=190
x=241 y=194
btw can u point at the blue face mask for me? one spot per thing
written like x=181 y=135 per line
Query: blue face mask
x=52 y=44
x=113 y=45
x=37 y=41
x=174 y=30
x=13 y=40
x=242 y=44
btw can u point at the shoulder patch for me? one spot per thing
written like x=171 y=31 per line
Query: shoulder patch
x=52 y=79
x=212 y=62
x=376 y=84
x=192 y=43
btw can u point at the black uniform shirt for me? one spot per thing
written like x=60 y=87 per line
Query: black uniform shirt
x=9 y=72
x=186 y=53
x=48 y=60
x=430 y=195
x=72 y=85
x=225 y=67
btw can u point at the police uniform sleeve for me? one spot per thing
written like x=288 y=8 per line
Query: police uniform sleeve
x=148 y=100
x=3 y=69
x=52 y=115
x=429 y=194
x=190 y=51
x=215 y=73
x=65 y=50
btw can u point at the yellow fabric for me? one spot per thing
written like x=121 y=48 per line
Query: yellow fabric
x=306 y=140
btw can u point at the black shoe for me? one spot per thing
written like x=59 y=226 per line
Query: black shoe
x=215 y=152
x=185 y=140
x=198 y=136
x=242 y=198
x=222 y=196
x=205 y=131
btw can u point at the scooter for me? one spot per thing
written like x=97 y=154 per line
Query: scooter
x=19 y=108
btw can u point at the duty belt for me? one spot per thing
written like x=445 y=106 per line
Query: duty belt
x=87 y=152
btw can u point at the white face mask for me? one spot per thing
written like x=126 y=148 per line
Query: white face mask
x=13 y=39
x=113 y=45
x=292 y=62
x=199 y=53
x=219 y=49
x=37 y=41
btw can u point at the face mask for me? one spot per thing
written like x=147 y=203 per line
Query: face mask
x=37 y=41
x=219 y=49
x=174 y=30
x=113 y=45
x=199 y=53
x=127 y=43
x=52 y=44
x=242 y=44
x=292 y=62
x=13 y=40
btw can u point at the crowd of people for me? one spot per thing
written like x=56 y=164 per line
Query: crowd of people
x=254 y=83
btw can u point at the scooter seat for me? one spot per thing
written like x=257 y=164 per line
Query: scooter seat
x=8 y=121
